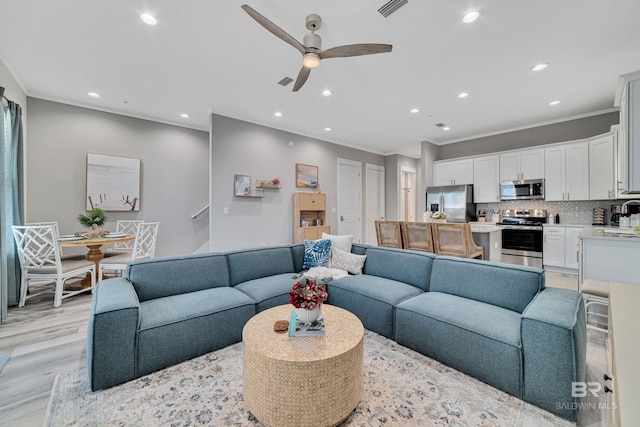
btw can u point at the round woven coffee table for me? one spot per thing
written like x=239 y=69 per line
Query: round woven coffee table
x=303 y=381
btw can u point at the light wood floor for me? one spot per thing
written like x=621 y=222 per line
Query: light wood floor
x=44 y=342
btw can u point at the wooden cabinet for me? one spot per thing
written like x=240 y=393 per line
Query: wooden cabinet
x=309 y=210
x=455 y=172
x=522 y=164
x=567 y=172
x=485 y=179
x=602 y=173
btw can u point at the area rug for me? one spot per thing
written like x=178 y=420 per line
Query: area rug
x=402 y=388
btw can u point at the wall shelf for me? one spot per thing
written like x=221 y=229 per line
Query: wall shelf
x=267 y=185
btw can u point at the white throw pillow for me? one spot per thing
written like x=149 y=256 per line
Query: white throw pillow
x=323 y=273
x=344 y=260
x=340 y=241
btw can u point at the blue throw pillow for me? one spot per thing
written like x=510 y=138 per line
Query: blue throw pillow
x=317 y=253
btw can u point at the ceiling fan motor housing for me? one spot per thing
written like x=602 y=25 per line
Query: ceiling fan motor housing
x=312 y=40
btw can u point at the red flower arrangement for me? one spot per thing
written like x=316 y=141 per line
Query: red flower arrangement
x=308 y=294
x=275 y=181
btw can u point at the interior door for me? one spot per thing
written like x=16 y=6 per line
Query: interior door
x=408 y=194
x=374 y=200
x=350 y=198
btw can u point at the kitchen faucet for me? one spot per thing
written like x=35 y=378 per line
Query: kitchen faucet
x=623 y=209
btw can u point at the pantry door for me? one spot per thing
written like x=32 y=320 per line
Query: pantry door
x=349 y=207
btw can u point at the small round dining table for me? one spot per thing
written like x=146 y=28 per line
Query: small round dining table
x=95 y=253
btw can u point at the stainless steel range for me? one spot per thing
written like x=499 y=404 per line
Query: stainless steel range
x=522 y=236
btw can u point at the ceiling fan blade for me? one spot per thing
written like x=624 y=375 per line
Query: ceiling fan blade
x=355 y=50
x=273 y=28
x=303 y=75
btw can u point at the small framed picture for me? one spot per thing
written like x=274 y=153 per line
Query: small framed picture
x=242 y=185
x=306 y=175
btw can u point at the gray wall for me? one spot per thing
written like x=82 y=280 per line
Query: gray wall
x=174 y=171
x=239 y=147
x=558 y=132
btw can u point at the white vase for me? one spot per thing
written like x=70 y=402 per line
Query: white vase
x=308 y=316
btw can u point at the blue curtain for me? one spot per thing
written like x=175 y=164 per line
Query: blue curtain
x=11 y=201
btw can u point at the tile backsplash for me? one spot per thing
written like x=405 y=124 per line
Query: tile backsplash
x=571 y=212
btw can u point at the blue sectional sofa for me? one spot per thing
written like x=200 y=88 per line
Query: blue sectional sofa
x=496 y=322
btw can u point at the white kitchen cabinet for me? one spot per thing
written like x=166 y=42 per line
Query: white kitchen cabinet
x=628 y=159
x=571 y=247
x=560 y=247
x=602 y=171
x=522 y=164
x=553 y=246
x=567 y=172
x=485 y=179
x=453 y=172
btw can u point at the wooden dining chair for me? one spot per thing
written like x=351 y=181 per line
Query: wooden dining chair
x=42 y=265
x=389 y=234
x=144 y=246
x=455 y=239
x=417 y=236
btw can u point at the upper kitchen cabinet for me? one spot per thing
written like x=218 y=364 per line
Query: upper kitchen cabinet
x=602 y=167
x=453 y=172
x=485 y=179
x=567 y=172
x=628 y=159
x=522 y=164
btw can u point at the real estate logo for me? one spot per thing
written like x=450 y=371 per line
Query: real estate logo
x=589 y=389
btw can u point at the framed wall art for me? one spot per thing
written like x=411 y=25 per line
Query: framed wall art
x=113 y=183
x=242 y=185
x=306 y=175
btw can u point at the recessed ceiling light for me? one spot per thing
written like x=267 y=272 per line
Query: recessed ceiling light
x=471 y=16
x=446 y=128
x=148 y=19
x=327 y=129
x=277 y=114
x=539 y=67
x=326 y=92
x=463 y=95
x=185 y=115
x=93 y=94
x=414 y=110
x=552 y=103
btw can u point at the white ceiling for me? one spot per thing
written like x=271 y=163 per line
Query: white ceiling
x=210 y=56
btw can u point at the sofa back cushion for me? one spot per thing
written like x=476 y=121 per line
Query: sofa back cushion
x=412 y=268
x=504 y=285
x=297 y=252
x=166 y=276
x=249 y=264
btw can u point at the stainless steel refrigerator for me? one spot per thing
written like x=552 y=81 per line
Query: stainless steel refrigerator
x=456 y=200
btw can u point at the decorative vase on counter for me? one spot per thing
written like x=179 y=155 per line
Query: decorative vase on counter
x=308 y=316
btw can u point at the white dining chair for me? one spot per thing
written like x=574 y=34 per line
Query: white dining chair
x=144 y=246
x=42 y=265
x=124 y=226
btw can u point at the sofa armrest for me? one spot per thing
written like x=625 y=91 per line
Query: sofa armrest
x=111 y=338
x=554 y=346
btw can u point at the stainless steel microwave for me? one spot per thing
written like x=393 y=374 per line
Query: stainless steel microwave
x=525 y=189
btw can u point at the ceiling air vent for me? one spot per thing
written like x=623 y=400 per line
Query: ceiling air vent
x=285 y=81
x=391 y=6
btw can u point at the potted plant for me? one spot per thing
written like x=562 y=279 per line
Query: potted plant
x=439 y=217
x=307 y=296
x=96 y=219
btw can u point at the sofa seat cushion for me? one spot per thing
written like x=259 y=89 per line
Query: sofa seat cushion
x=269 y=291
x=479 y=339
x=372 y=299
x=194 y=324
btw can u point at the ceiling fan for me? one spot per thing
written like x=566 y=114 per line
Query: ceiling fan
x=310 y=48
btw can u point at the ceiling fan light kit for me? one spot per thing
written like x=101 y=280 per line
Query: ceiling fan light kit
x=311 y=46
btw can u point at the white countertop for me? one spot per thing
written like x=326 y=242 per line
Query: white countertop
x=570 y=225
x=597 y=232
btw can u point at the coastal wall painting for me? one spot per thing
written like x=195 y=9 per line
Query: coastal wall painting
x=306 y=175
x=113 y=183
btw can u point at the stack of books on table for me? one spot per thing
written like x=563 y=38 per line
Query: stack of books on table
x=298 y=328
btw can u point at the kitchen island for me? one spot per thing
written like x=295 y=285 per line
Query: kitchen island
x=489 y=236
x=609 y=256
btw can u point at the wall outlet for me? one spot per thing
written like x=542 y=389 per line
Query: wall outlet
x=225 y=210
x=333 y=210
